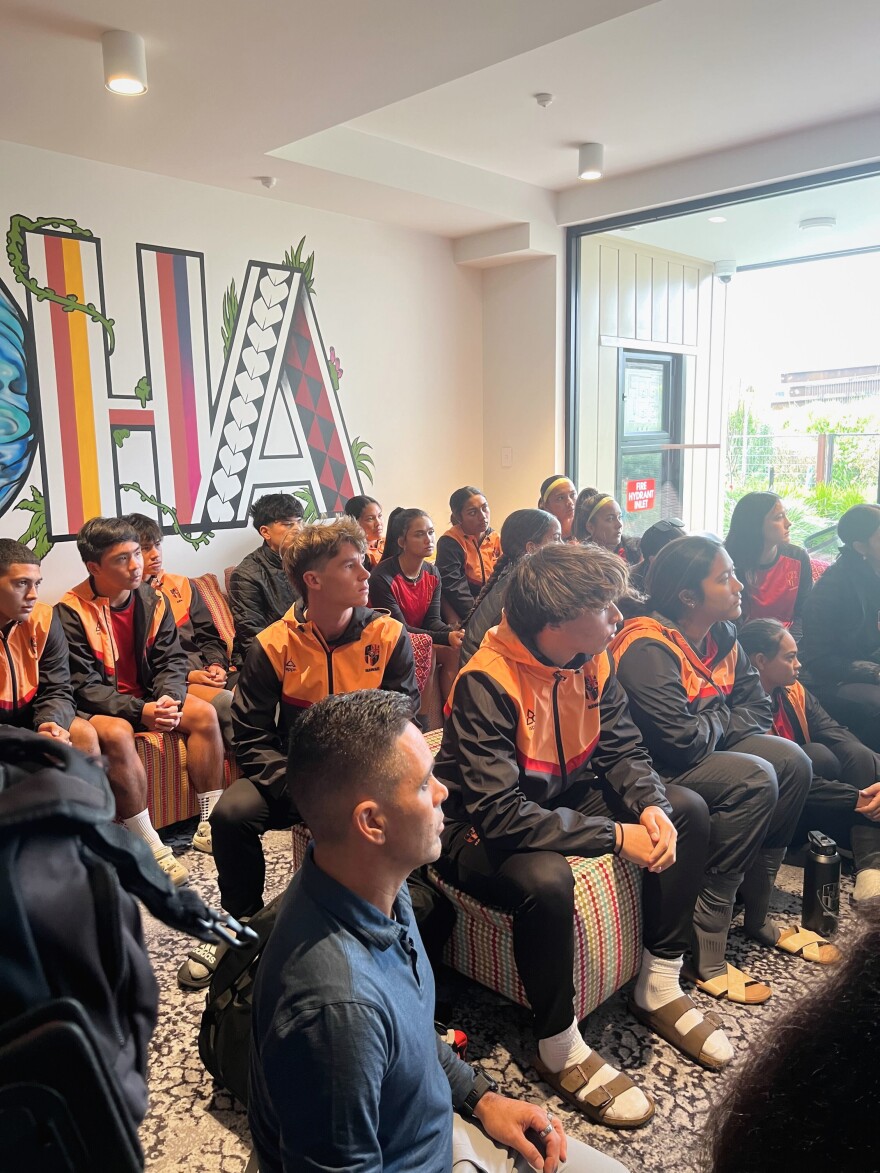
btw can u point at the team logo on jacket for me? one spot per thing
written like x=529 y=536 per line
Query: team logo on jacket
x=176 y=593
x=530 y=718
x=371 y=655
x=289 y=666
x=591 y=687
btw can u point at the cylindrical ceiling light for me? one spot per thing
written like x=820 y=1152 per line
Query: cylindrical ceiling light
x=125 y=63
x=591 y=161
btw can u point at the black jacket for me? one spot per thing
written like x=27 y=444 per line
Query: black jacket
x=841 y=640
x=382 y=597
x=486 y=614
x=259 y=594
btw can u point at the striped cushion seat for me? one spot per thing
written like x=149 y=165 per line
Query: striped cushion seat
x=170 y=797
x=607 y=929
x=217 y=603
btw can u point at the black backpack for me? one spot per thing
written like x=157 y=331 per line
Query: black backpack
x=70 y=926
x=225 y=1032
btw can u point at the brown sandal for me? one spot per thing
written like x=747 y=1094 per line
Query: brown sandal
x=809 y=945
x=568 y=1082
x=662 y=1022
x=734 y=985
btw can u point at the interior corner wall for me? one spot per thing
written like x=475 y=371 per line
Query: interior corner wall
x=404 y=321
x=522 y=386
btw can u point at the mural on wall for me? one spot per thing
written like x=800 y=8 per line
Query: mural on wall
x=192 y=454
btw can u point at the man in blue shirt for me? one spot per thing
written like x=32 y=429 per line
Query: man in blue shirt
x=347 y=1072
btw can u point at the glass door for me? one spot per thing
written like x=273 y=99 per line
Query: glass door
x=649 y=464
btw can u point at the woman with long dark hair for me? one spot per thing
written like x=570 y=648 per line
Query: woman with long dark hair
x=776 y=575
x=367 y=512
x=408 y=587
x=844 y=798
x=840 y=647
x=557 y=496
x=467 y=552
x=598 y=519
x=524 y=532
x=705 y=718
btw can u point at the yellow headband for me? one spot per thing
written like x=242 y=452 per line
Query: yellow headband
x=602 y=501
x=555 y=485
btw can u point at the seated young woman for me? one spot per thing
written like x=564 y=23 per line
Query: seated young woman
x=597 y=519
x=542 y=761
x=840 y=646
x=776 y=575
x=524 y=532
x=367 y=512
x=409 y=587
x=844 y=798
x=557 y=496
x=466 y=553
x=705 y=720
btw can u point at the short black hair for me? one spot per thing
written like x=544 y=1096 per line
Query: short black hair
x=99 y=534
x=344 y=749
x=148 y=531
x=12 y=553
x=274 y=507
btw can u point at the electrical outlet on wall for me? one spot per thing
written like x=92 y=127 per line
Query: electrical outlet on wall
x=506 y=457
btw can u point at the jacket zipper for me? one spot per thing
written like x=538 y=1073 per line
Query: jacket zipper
x=9 y=661
x=558 y=678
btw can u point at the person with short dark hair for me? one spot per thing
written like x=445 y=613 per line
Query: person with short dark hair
x=558 y=495
x=524 y=532
x=598 y=519
x=542 y=761
x=35 y=689
x=367 y=512
x=333 y=643
x=259 y=590
x=776 y=574
x=128 y=672
x=207 y=677
x=347 y=1071
x=706 y=720
x=652 y=541
x=844 y=796
x=840 y=646
x=466 y=553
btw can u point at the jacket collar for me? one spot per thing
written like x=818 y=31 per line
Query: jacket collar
x=361 y=918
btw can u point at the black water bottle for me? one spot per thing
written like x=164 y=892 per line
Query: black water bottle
x=821 y=902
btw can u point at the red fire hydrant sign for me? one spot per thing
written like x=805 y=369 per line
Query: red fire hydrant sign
x=639 y=495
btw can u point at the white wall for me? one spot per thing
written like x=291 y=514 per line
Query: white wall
x=405 y=321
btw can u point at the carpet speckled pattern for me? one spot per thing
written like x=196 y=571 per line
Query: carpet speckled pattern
x=194 y=1126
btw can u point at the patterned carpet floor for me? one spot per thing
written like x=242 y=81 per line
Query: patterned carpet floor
x=194 y=1125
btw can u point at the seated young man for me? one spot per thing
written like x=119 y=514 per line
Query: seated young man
x=207 y=677
x=128 y=672
x=337 y=645
x=35 y=691
x=259 y=590
x=346 y=1068
x=542 y=761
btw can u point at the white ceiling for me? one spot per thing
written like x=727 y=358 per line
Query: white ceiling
x=421 y=113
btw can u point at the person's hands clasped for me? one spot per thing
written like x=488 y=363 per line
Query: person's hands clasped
x=53 y=729
x=161 y=716
x=455 y=637
x=868 y=802
x=211 y=677
x=663 y=836
x=508 y=1121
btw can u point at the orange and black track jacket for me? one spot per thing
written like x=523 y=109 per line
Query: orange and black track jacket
x=196 y=630
x=162 y=665
x=34 y=672
x=684 y=709
x=809 y=722
x=525 y=741
x=466 y=565
x=290 y=666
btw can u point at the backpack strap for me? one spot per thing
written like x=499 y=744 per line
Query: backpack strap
x=22 y=978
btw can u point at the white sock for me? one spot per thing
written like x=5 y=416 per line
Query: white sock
x=207 y=802
x=140 y=825
x=658 y=984
x=567 y=1048
x=867 y=884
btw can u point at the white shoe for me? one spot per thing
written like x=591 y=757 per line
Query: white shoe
x=171 y=865
x=201 y=841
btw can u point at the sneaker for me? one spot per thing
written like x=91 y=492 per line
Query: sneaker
x=171 y=865
x=202 y=838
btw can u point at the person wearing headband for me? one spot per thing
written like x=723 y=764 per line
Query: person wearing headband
x=597 y=519
x=840 y=647
x=557 y=496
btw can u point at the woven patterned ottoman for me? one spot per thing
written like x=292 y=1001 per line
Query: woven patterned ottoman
x=170 y=797
x=607 y=932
